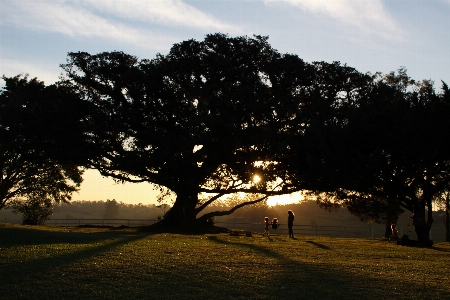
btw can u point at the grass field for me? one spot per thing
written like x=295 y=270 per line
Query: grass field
x=133 y=263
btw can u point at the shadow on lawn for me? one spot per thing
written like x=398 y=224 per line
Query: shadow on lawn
x=13 y=236
x=258 y=271
x=318 y=245
x=317 y=280
x=437 y=248
x=35 y=270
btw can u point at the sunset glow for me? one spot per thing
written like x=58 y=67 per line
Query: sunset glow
x=285 y=199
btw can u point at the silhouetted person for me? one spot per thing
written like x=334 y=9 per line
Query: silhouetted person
x=266 y=226
x=290 y=223
x=275 y=223
x=394 y=234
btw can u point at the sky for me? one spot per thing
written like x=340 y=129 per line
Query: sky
x=369 y=35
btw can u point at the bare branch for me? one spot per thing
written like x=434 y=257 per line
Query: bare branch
x=211 y=200
x=229 y=212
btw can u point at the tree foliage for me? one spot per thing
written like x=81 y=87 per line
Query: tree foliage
x=36 y=141
x=212 y=114
x=112 y=209
x=390 y=153
x=205 y=118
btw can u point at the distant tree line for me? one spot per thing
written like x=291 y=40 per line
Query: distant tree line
x=97 y=209
x=212 y=116
x=109 y=209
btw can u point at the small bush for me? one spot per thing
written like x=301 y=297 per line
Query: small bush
x=35 y=211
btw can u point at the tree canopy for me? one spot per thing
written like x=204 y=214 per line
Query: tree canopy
x=211 y=115
x=36 y=141
x=203 y=118
x=391 y=153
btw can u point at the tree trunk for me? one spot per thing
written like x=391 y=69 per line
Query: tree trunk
x=182 y=212
x=447 y=210
x=421 y=225
x=387 y=229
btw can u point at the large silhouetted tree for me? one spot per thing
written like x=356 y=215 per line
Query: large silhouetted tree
x=212 y=114
x=208 y=117
x=391 y=152
x=37 y=140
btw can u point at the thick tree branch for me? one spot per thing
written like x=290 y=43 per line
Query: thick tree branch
x=229 y=212
x=252 y=190
x=211 y=200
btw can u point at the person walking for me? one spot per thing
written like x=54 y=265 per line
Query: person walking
x=290 y=223
x=266 y=226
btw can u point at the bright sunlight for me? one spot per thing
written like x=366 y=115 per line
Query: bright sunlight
x=285 y=199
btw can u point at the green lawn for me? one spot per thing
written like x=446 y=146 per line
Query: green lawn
x=100 y=263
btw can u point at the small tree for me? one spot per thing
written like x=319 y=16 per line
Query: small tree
x=35 y=210
x=111 y=209
x=372 y=208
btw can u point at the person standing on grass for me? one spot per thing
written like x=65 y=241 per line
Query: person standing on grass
x=290 y=223
x=266 y=226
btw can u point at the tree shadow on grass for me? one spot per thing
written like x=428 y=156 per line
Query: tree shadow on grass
x=158 y=228
x=14 y=236
x=437 y=248
x=36 y=265
x=306 y=280
x=247 y=269
x=318 y=245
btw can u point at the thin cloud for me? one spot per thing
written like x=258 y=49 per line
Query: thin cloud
x=370 y=17
x=88 y=19
x=77 y=22
x=165 y=12
x=13 y=67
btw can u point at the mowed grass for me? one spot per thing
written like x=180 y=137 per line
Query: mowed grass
x=42 y=262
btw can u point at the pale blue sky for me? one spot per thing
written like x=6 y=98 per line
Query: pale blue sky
x=369 y=35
